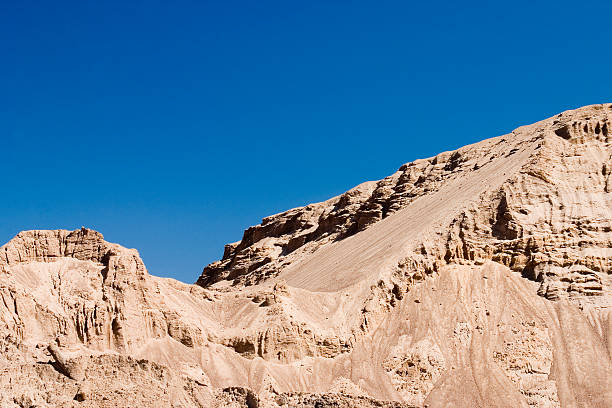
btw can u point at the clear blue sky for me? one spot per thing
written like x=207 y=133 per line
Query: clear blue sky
x=172 y=126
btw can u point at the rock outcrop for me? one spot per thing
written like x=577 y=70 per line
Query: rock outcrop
x=479 y=277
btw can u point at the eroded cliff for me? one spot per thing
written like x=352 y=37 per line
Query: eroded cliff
x=479 y=277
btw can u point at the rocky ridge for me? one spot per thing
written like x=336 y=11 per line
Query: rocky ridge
x=479 y=277
x=529 y=231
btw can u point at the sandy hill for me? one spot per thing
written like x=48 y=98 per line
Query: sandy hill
x=478 y=277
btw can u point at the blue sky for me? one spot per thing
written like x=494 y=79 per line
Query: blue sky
x=172 y=126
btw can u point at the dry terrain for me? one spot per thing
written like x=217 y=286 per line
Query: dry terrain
x=476 y=278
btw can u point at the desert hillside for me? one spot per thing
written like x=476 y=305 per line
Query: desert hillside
x=480 y=277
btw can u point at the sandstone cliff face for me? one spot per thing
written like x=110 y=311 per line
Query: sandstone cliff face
x=479 y=277
x=551 y=208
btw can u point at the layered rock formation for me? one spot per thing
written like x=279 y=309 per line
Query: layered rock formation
x=479 y=277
